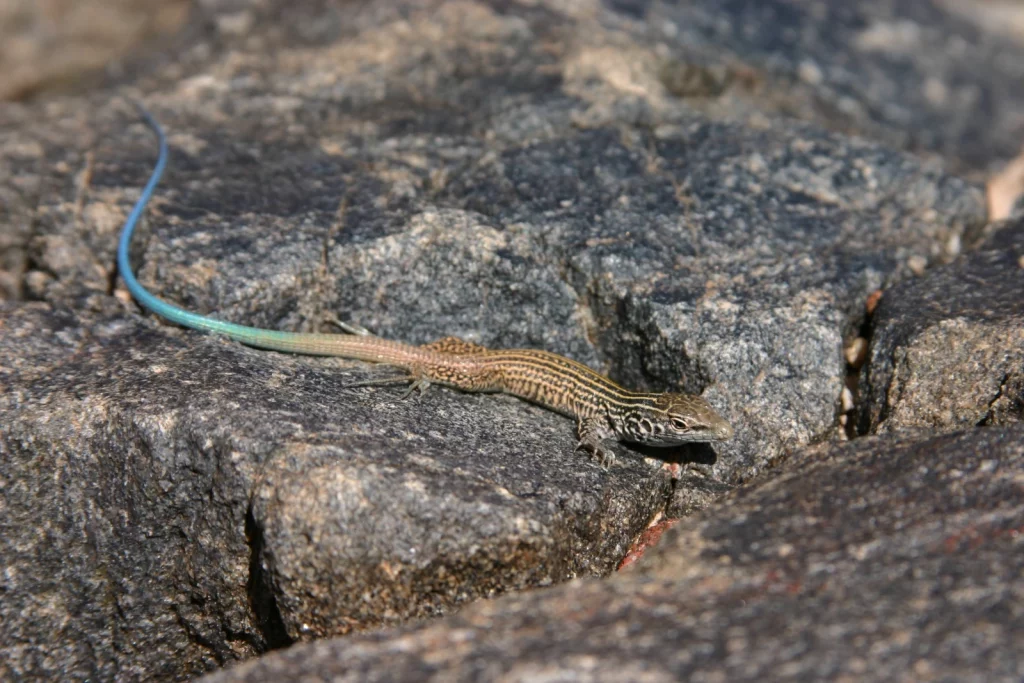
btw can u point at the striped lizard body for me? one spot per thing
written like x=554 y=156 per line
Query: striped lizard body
x=603 y=409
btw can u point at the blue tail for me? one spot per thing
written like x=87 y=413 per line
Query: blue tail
x=268 y=339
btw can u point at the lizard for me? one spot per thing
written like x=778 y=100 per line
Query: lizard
x=603 y=410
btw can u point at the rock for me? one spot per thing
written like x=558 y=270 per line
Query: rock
x=818 y=572
x=1005 y=192
x=948 y=349
x=521 y=175
x=604 y=264
x=192 y=501
x=923 y=76
x=53 y=46
x=122 y=522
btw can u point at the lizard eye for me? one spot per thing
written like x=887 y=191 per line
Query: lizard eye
x=680 y=424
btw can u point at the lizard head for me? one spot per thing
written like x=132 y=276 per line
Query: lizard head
x=672 y=420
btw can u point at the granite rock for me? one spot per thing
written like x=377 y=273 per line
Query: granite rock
x=947 y=348
x=889 y=558
x=169 y=507
x=610 y=182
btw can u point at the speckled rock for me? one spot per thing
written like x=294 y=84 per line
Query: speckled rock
x=923 y=75
x=820 y=572
x=169 y=488
x=947 y=349
x=567 y=176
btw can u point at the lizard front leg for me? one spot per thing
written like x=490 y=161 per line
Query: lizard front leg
x=592 y=431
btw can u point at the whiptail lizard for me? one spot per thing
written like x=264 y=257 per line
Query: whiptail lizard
x=603 y=409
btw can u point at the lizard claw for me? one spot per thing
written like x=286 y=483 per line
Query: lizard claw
x=420 y=384
x=605 y=458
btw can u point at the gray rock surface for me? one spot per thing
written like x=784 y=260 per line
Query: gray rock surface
x=581 y=178
x=820 y=572
x=187 y=511
x=947 y=349
x=923 y=75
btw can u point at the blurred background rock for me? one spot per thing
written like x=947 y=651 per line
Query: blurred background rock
x=48 y=45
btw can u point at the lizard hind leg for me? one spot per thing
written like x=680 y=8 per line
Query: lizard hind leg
x=382 y=382
x=412 y=380
x=415 y=383
x=421 y=384
x=349 y=328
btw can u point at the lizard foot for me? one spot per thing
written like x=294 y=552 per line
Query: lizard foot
x=415 y=383
x=604 y=456
x=383 y=382
x=420 y=384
